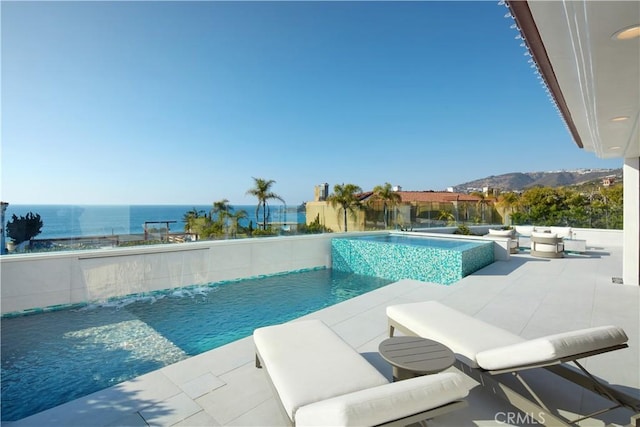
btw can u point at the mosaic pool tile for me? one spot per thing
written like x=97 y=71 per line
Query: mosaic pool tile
x=395 y=261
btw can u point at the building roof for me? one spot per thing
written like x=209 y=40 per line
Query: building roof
x=432 y=196
x=436 y=196
x=591 y=72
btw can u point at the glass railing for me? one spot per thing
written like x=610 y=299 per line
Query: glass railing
x=47 y=228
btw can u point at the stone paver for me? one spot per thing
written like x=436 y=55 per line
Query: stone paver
x=528 y=296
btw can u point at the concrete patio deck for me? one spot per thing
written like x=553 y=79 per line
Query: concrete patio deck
x=527 y=296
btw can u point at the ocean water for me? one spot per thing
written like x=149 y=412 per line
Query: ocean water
x=103 y=220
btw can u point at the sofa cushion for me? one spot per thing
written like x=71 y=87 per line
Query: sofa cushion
x=524 y=230
x=564 y=232
x=384 y=403
x=544 y=234
x=308 y=362
x=464 y=335
x=548 y=248
x=551 y=348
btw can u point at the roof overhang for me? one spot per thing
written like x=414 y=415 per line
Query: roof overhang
x=593 y=77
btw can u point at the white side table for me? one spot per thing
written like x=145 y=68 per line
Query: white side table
x=575 y=245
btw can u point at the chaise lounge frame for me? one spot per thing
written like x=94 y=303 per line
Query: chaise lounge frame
x=537 y=409
x=310 y=352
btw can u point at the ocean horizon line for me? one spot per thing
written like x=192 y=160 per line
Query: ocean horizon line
x=147 y=204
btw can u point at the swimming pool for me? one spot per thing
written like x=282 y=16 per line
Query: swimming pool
x=52 y=358
x=396 y=257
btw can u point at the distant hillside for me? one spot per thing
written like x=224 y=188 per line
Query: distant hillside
x=518 y=181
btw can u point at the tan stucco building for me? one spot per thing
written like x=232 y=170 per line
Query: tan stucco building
x=415 y=207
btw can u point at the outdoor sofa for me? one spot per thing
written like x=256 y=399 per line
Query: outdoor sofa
x=526 y=230
x=485 y=352
x=320 y=380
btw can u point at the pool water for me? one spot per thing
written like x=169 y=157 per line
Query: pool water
x=52 y=358
x=428 y=242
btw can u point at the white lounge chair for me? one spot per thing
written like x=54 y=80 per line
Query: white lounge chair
x=320 y=380
x=547 y=245
x=485 y=351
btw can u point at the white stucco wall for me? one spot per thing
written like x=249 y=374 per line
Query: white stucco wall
x=598 y=237
x=631 y=254
x=49 y=279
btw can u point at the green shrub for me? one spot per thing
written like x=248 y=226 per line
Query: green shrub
x=313 y=227
x=24 y=228
x=463 y=229
x=262 y=233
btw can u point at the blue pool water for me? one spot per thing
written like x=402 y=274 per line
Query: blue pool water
x=428 y=242
x=51 y=358
x=396 y=257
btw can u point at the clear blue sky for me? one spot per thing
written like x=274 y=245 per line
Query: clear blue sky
x=183 y=103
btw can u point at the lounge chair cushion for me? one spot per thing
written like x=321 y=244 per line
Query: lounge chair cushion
x=308 y=362
x=551 y=348
x=481 y=345
x=384 y=403
x=464 y=335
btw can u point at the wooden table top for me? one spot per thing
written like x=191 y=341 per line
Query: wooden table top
x=415 y=354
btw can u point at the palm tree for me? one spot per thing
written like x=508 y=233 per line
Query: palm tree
x=235 y=217
x=190 y=217
x=262 y=190
x=221 y=209
x=389 y=197
x=482 y=201
x=508 y=201
x=345 y=196
x=445 y=215
x=226 y=216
